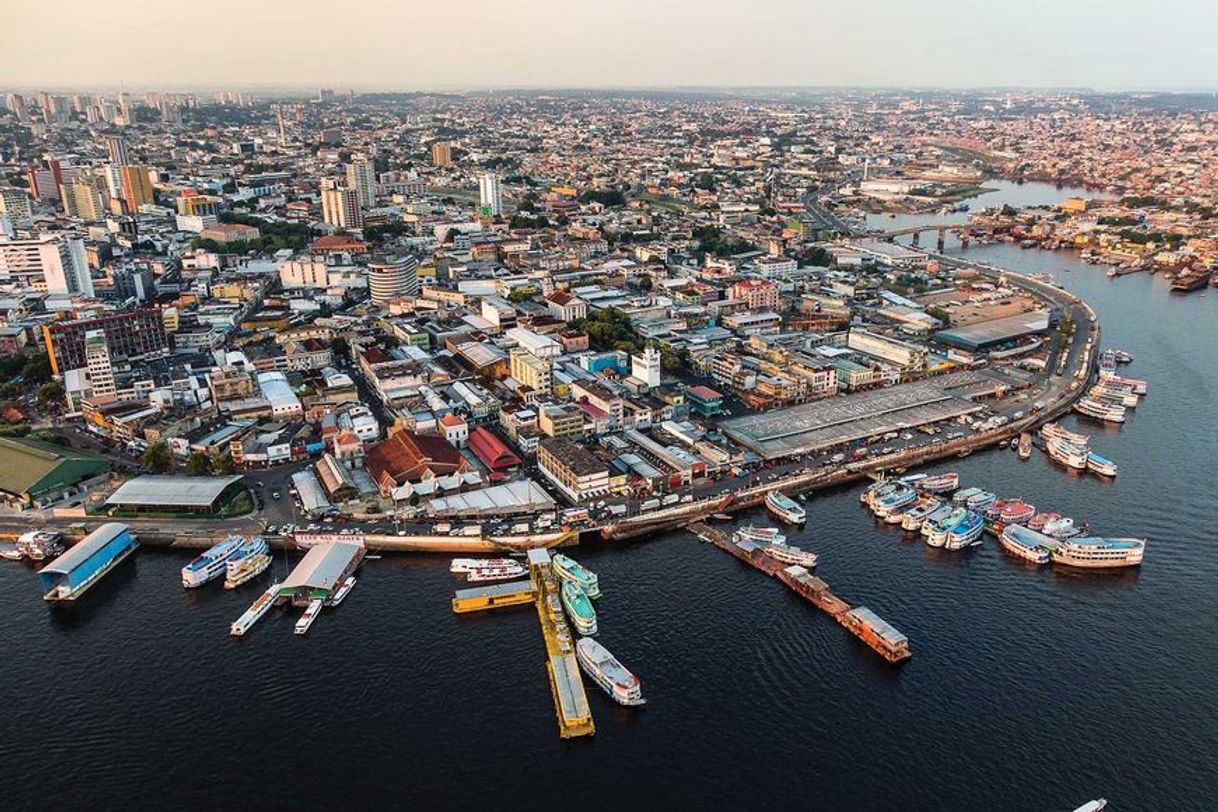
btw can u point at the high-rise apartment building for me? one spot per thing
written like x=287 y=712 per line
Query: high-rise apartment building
x=490 y=194
x=441 y=154
x=137 y=188
x=85 y=197
x=45 y=180
x=97 y=364
x=340 y=207
x=116 y=146
x=16 y=204
x=361 y=176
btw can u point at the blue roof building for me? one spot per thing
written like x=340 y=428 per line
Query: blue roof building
x=67 y=577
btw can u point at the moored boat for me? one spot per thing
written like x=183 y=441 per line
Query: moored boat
x=40 y=545
x=939 y=531
x=1108 y=412
x=212 y=563
x=878 y=491
x=1087 y=552
x=613 y=677
x=1025 y=445
x=496 y=572
x=579 y=608
x=1071 y=456
x=1051 y=431
x=570 y=570
x=1038 y=521
x=1139 y=387
x=939 y=483
x=467 y=565
x=913 y=518
x=1099 y=465
x=343 y=591
x=1027 y=544
x=787 y=554
x=894 y=500
x=257 y=609
x=1016 y=511
x=784 y=507
x=962 y=497
x=250 y=561
x=936 y=517
x=1061 y=528
x=758 y=535
x=980 y=501
x=310 y=615
x=966 y=532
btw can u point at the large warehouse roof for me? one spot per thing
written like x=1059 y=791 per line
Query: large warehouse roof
x=172 y=491
x=822 y=424
x=30 y=466
x=322 y=566
x=513 y=497
x=996 y=331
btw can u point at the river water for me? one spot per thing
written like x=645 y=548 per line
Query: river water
x=1028 y=690
x=1000 y=192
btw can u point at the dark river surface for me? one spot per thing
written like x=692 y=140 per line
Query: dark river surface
x=1028 y=690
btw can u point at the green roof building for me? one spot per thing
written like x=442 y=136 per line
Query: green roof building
x=35 y=474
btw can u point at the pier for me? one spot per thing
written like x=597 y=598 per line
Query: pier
x=860 y=621
x=542 y=590
x=566 y=684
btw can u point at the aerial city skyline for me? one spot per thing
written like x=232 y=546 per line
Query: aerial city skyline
x=549 y=405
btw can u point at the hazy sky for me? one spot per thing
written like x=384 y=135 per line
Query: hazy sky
x=413 y=44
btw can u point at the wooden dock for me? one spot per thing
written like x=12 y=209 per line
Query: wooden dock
x=860 y=621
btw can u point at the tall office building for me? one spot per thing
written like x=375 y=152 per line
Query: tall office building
x=137 y=188
x=116 y=145
x=52 y=262
x=97 y=363
x=340 y=207
x=391 y=278
x=491 y=196
x=361 y=176
x=441 y=154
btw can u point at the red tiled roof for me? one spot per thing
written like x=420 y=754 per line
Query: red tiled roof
x=408 y=457
x=705 y=393
x=337 y=242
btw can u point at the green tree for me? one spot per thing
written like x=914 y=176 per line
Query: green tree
x=156 y=458
x=522 y=294
x=340 y=347
x=816 y=256
x=49 y=395
x=223 y=464
x=36 y=369
x=198 y=464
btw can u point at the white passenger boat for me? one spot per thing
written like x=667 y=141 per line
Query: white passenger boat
x=252 y=615
x=343 y=591
x=310 y=615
